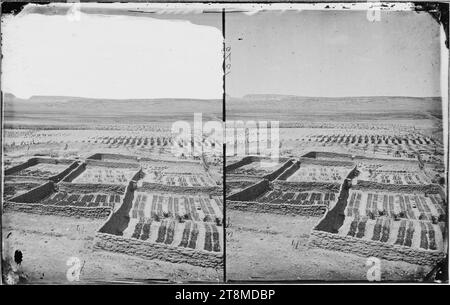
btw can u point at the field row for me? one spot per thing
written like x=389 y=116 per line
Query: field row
x=196 y=180
x=256 y=168
x=386 y=177
x=302 y=198
x=82 y=200
x=42 y=170
x=98 y=174
x=416 y=234
x=314 y=173
x=194 y=235
x=373 y=139
x=155 y=206
x=401 y=205
x=133 y=141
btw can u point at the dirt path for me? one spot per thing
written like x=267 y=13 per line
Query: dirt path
x=263 y=247
x=47 y=242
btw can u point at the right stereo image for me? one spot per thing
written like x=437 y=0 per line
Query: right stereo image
x=336 y=144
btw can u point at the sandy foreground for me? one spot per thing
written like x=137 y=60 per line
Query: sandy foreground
x=47 y=243
x=269 y=247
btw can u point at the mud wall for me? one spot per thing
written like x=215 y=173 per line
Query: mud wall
x=21 y=166
x=35 y=194
x=64 y=173
x=194 y=190
x=111 y=164
x=75 y=173
x=244 y=161
x=86 y=188
x=34 y=161
x=408 y=188
x=163 y=252
x=288 y=172
x=279 y=171
x=69 y=211
x=101 y=156
x=368 y=248
x=119 y=220
x=283 y=209
x=250 y=193
x=340 y=163
x=287 y=186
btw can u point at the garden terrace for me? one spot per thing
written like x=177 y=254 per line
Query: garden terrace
x=237 y=185
x=273 y=197
x=401 y=205
x=158 y=206
x=15 y=186
x=99 y=172
x=258 y=167
x=320 y=171
x=184 y=180
x=133 y=228
x=43 y=168
x=113 y=158
x=300 y=198
x=415 y=234
x=190 y=234
x=403 y=147
x=47 y=199
x=394 y=225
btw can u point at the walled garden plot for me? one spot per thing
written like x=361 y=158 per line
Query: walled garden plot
x=285 y=199
x=54 y=199
x=258 y=167
x=190 y=234
x=176 y=227
x=414 y=234
x=42 y=168
x=406 y=225
x=400 y=205
x=14 y=186
x=320 y=171
x=185 y=180
x=300 y=198
x=105 y=175
x=158 y=206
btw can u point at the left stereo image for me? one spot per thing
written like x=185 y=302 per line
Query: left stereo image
x=111 y=170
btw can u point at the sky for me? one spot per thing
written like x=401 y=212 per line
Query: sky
x=110 y=56
x=118 y=53
x=333 y=53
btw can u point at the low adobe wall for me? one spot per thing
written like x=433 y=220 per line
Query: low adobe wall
x=64 y=173
x=401 y=188
x=288 y=172
x=189 y=190
x=33 y=161
x=59 y=210
x=287 y=186
x=251 y=192
x=283 y=209
x=75 y=173
x=278 y=172
x=86 y=188
x=321 y=162
x=36 y=194
x=369 y=248
x=102 y=156
x=158 y=251
x=111 y=164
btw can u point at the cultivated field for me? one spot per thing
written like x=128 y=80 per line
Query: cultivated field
x=73 y=160
x=366 y=179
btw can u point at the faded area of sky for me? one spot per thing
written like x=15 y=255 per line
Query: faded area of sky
x=110 y=56
x=333 y=53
